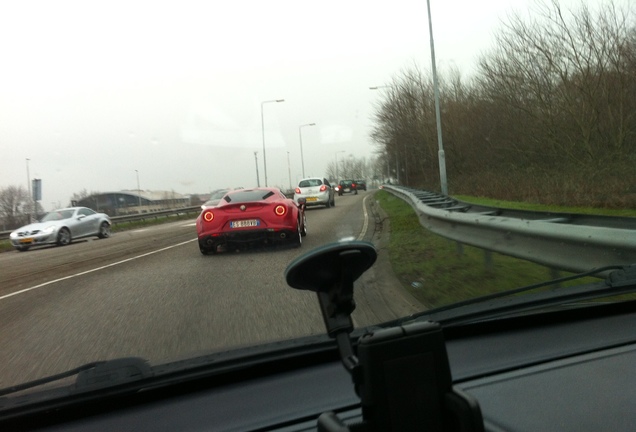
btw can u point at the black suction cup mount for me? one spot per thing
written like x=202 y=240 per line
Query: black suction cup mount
x=330 y=272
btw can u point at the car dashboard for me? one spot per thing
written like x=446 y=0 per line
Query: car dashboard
x=570 y=369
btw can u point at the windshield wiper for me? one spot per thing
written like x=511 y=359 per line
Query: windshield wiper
x=94 y=375
x=621 y=281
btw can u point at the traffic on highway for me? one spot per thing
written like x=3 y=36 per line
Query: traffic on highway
x=335 y=216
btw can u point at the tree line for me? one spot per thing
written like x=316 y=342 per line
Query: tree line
x=550 y=115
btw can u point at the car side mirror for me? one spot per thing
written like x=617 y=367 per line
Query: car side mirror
x=302 y=201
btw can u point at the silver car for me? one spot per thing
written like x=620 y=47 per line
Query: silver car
x=61 y=227
x=316 y=191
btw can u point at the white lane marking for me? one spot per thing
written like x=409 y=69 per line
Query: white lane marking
x=366 y=219
x=139 y=230
x=190 y=224
x=93 y=270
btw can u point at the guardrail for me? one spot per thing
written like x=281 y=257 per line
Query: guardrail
x=4 y=235
x=566 y=241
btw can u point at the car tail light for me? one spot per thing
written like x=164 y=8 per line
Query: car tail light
x=280 y=210
x=353 y=185
x=297 y=191
x=323 y=188
x=208 y=216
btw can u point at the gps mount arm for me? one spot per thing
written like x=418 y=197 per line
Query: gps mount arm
x=401 y=374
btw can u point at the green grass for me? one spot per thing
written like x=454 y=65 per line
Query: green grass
x=444 y=275
x=540 y=207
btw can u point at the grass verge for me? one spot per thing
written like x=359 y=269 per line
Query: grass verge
x=541 y=207
x=431 y=268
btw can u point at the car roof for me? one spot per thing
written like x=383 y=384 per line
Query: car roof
x=275 y=194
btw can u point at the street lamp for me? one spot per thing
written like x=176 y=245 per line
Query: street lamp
x=30 y=200
x=337 y=176
x=263 y=133
x=138 y=190
x=289 y=171
x=258 y=180
x=438 y=118
x=302 y=159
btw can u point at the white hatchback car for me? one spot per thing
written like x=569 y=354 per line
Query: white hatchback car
x=316 y=191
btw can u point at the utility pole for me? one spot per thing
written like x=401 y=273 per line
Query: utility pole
x=258 y=180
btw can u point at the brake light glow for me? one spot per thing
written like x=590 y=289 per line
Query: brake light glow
x=280 y=210
x=323 y=188
x=208 y=216
x=297 y=191
x=353 y=185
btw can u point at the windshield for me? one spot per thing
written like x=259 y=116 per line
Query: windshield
x=218 y=194
x=57 y=215
x=497 y=154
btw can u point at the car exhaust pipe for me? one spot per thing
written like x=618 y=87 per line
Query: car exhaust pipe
x=283 y=235
x=210 y=242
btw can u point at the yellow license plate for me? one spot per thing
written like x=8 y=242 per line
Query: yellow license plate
x=312 y=199
x=26 y=240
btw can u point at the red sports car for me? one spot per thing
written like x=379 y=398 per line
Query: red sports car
x=246 y=217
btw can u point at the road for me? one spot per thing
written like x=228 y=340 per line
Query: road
x=151 y=293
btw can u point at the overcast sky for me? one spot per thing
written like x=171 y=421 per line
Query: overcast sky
x=92 y=91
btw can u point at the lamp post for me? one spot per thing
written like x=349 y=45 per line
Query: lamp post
x=263 y=133
x=31 y=206
x=289 y=171
x=302 y=158
x=337 y=176
x=258 y=180
x=438 y=118
x=138 y=190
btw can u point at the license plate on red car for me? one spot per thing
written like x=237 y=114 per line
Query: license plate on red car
x=244 y=223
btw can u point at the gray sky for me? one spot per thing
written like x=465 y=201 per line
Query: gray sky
x=92 y=91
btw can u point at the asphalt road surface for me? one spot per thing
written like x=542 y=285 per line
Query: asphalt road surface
x=150 y=293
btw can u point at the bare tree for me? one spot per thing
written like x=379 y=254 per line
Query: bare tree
x=13 y=200
x=563 y=80
x=550 y=115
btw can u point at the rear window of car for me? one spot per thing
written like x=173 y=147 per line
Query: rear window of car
x=310 y=182
x=248 y=195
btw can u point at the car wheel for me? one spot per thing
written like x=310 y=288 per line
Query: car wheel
x=63 y=237
x=328 y=203
x=22 y=248
x=303 y=232
x=104 y=230
x=206 y=250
